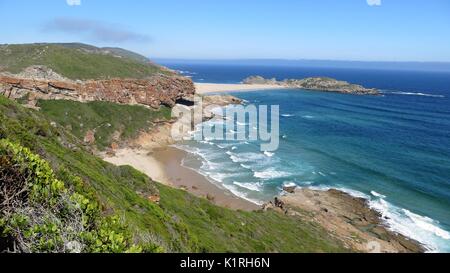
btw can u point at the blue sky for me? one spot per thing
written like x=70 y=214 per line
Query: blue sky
x=387 y=30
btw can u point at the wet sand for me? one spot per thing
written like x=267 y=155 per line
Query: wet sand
x=165 y=166
x=181 y=177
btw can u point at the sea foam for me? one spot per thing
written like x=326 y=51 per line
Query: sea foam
x=419 y=228
x=414 y=94
x=249 y=186
x=271 y=173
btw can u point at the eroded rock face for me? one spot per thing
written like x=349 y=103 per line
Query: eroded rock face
x=155 y=91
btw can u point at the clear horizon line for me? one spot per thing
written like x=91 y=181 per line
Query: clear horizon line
x=297 y=60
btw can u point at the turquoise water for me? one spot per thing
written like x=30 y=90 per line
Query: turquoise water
x=393 y=150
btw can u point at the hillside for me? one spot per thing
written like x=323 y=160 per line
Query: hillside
x=78 y=61
x=179 y=223
x=103 y=122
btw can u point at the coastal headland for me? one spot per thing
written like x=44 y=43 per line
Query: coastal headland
x=149 y=149
x=255 y=83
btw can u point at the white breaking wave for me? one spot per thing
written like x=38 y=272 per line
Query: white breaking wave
x=288 y=115
x=237 y=159
x=269 y=154
x=271 y=174
x=227 y=145
x=186 y=72
x=250 y=186
x=419 y=228
x=218 y=177
x=428 y=224
x=246 y=157
x=235 y=191
x=376 y=194
x=206 y=142
x=415 y=94
x=289 y=184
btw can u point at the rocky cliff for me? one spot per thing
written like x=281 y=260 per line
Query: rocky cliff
x=40 y=83
x=318 y=83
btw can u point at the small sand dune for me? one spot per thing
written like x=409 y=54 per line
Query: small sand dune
x=140 y=160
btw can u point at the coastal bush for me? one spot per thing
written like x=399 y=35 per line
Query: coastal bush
x=77 y=61
x=109 y=121
x=39 y=213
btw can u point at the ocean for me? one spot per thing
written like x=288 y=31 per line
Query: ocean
x=393 y=150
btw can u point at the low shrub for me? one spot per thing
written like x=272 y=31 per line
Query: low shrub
x=39 y=213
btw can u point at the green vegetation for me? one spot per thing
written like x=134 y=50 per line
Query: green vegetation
x=111 y=122
x=78 y=61
x=40 y=213
x=180 y=223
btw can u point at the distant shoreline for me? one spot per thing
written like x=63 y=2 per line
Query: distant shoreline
x=206 y=88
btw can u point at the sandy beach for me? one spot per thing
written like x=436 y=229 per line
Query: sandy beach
x=165 y=166
x=205 y=88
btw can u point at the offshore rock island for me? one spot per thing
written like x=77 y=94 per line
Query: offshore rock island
x=316 y=84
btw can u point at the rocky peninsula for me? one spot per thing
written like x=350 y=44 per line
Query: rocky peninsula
x=348 y=218
x=315 y=84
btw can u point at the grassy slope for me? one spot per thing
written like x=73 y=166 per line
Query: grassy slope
x=182 y=223
x=76 y=61
x=103 y=117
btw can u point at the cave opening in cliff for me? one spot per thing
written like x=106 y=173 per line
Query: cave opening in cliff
x=185 y=102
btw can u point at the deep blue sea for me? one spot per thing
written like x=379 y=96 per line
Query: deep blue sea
x=393 y=149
